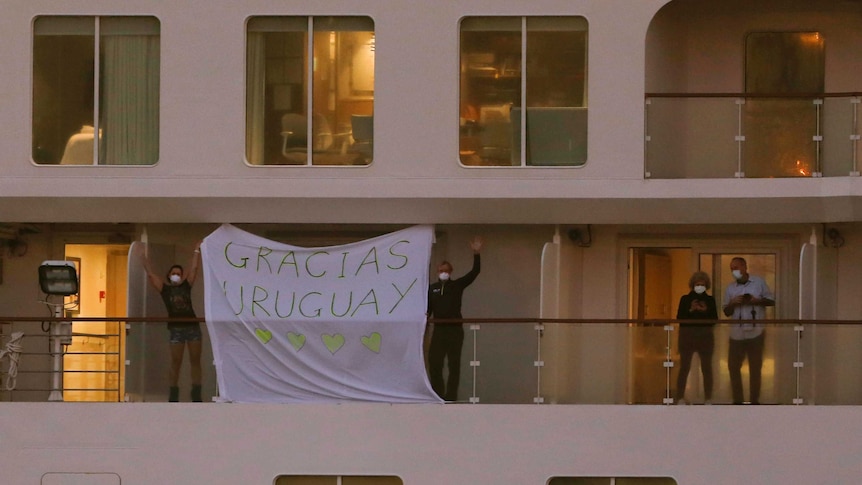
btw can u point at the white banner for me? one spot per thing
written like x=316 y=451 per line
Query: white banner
x=339 y=323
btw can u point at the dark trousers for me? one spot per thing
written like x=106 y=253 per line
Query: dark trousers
x=446 y=342
x=698 y=340
x=738 y=351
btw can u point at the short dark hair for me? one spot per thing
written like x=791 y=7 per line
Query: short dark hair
x=168 y=274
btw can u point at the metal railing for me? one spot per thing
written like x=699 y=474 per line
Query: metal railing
x=504 y=360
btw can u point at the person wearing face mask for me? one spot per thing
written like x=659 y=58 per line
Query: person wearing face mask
x=696 y=337
x=444 y=301
x=176 y=293
x=746 y=298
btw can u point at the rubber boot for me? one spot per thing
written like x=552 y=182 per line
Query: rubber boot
x=174 y=394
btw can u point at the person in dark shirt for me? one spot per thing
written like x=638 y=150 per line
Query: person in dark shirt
x=696 y=337
x=176 y=293
x=444 y=302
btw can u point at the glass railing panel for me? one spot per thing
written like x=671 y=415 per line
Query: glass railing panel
x=832 y=361
x=779 y=138
x=773 y=349
x=692 y=138
x=836 y=152
x=149 y=364
x=584 y=363
x=652 y=350
x=495 y=371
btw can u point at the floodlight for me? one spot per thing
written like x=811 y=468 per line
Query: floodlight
x=58 y=278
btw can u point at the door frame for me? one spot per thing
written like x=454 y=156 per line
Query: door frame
x=785 y=246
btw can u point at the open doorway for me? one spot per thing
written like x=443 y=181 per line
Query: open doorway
x=93 y=367
x=658 y=277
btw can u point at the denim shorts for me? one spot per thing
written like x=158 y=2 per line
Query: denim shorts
x=184 y=334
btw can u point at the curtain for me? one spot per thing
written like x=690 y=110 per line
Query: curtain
x=129 y=128
x=254 y=113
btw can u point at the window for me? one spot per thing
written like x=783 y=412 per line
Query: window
x=96 y=75
x=552 y=83
x=612 y=481
x=310 y=99
x=336 y=480
x=779 y=129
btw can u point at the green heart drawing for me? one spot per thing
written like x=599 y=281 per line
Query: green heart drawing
x=296 y=339
x=333 y=342
x=264 y=335
x=372 y=342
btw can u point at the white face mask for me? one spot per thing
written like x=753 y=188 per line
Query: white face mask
x=175 y=278
x=699 y=289
x=443 y=276
x=737 y=274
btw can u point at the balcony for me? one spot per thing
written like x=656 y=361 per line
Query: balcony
x=711 y=135
x=504 y=361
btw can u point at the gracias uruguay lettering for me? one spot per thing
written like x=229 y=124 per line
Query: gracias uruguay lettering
x=313 y=284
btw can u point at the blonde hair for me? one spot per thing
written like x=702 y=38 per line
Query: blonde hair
x=699 y=276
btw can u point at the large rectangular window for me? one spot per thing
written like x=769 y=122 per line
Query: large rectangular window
x=96 y=75
x=310 y=99
x=511 y=62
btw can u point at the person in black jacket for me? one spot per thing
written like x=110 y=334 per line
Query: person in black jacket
x=696 y=337
x=444 y=301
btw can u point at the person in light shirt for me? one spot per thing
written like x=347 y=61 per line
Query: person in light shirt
x=746 y=299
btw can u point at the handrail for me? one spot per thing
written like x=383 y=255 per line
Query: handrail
x=643 y=321
x=135 y=382
x=850 y=94
x=636 y=321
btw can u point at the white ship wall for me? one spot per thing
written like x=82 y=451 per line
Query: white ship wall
x=430 y=444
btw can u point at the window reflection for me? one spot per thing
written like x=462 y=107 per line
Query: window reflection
x=495 y=52
x=780 y=132
x=70 y=65
x=310 y=101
